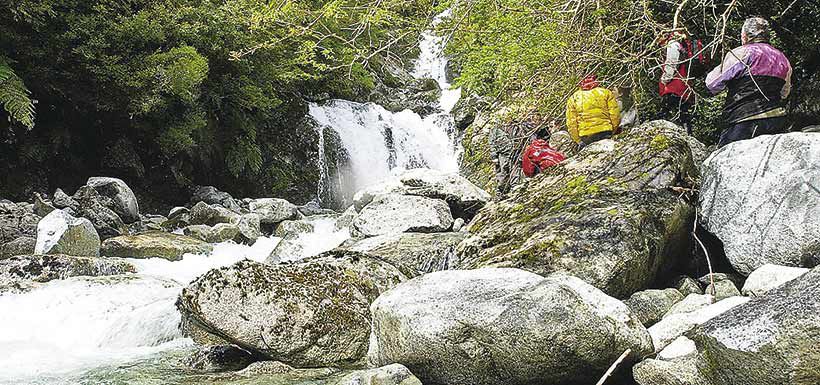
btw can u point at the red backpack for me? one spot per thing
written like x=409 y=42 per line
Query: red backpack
x=539 y=156
x=695 y=61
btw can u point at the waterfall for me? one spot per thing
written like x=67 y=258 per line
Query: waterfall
x=379 y=142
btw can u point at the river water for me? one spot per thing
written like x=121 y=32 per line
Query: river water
x=125 y=329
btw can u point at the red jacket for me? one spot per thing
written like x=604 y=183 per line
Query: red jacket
x=676 y=71
x=539 y=156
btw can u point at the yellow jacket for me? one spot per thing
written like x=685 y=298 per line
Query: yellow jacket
x=592 y=111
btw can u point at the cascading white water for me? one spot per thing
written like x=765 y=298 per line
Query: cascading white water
x=379 y=141
x=56 y=333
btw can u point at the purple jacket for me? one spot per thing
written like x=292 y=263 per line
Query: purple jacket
x=758 y=78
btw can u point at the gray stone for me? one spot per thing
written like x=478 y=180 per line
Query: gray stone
x=463 y=197
x=393 y=213
x=124 y=202
x=224 y=232
x=219 y=358
x=768 y=277
x=458 y=224
x=723 y=289
x=205 y=214
x=688 y=285
x=413 y=253
x=675 y=325
x=45 y=268
x=61 y=200
x=755 y=191
x=292 y=229
x=41 y=207
x=212 y=196
x=503 y=326
x=286 y=251
x=607 y=215
x=394 y=374
x=774 y=339
x=154 y=245
x=201 y=232
x=19 y=246
x=651 y=305
x=678 y=372
x=95 y=207
x=273 y=210
x=250 y=228
x=60 y=233
x=16 y=222
x=308 y=314
x=691 y=303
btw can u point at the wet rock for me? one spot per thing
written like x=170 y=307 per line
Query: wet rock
x=768 y=277
x=124 y=202
x=61 y=200
x=463 y=197
x=691 y=303
x=393 y=213
x=224 y=232
x=680 y=347
x=205 y=214
x=219 y=358
x=41 y=207
x=286 y=251
x=250 y=228
x=201 y=232
x=678 y=372
x=458 y=224
x=651 y=305
x=273 y=210
x=413 y=253
x=60 y=233
x=394 y=374
x=607 y=215
x=212 y=196
x=772 y=339
x=723 y=289
x=309 y=314
x=178 y=218
x=19 y=246
x=502 y=326
x=753 y=194
x=292 y=375
x=312 y=208
x=675 y=325
x=45 y=268
x=95 y=207
x=154 y=245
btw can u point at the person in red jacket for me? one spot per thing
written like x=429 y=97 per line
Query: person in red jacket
x=674 y=88
x=538 y=156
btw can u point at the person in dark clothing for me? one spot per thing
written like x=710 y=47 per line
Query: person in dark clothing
x=675 y=91
x=757 y=77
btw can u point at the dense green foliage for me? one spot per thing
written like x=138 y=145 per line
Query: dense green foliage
x=14 y=96
x=173 y=93
x=535 y=52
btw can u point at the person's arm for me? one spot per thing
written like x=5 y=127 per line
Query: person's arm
x=787 y=88
x=734 y=65
x=572 y=120
x=613 y=110
x=526 y=163
x=670 y=66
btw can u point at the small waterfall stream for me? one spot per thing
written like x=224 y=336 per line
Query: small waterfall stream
x=86 y=330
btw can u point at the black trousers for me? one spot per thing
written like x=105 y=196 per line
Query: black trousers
x=676 y=110
x=589 y=139
x=751 y=129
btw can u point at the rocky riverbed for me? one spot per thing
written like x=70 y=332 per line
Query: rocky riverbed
x=426 y=279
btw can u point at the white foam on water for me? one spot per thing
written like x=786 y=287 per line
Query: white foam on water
x=324 y=237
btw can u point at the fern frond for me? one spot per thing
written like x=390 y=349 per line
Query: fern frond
x=15 y=97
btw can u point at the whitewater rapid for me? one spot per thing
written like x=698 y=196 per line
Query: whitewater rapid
x=64 y=331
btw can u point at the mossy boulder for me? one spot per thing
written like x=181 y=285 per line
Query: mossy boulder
x=153 y=245
x=609 y=215
x=309 y=314
x=44 y=268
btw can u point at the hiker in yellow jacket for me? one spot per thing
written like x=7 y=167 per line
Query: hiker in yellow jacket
x=592 y=112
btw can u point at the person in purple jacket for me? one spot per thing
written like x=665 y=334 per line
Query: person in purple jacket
x=758 y=79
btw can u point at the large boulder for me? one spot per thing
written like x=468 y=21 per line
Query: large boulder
x=44 y=268
x=503 y=326
x=19 y=246
x=394 y=213
x=205 y=214
x=463 y=197
x=123 y=200
x=675 y=323
x=774 y=339
x=760 y=198
x=768 y=277
x=16 y=222
x=154 y=244
x=608 y=215
x=309 y=314
x=273 y=210
x=61 y=233
x=651 y=305
x=96 y=208
x=413 y=253
x=212 y=196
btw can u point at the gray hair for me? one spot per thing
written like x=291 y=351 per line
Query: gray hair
x=756 y=29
